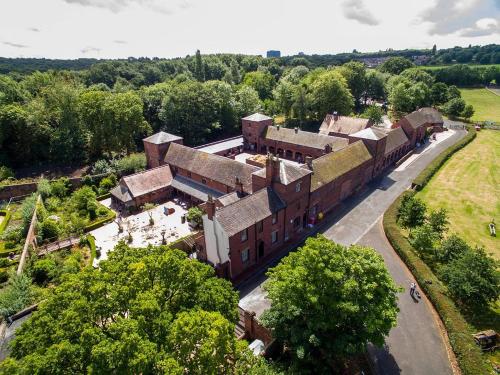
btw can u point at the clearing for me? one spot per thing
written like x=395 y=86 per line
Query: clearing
x=468 y=187
x=486 y=104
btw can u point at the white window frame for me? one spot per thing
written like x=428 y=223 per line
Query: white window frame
x=244 y=235
x=245 y=255
x=297 y=187
x=274 y=236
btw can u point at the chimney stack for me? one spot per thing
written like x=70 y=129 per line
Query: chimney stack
x=309 y=162
x=210 y=207
x=278 y=127
x=335 y=115
x=272 y=168
x=239 y=185
x=296 y=130
x=328 y=149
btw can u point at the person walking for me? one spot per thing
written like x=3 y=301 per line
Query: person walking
x=413 y=286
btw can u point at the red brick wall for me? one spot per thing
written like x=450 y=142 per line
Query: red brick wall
x=155 y=153
x=252 y=130
x=304 y=150
x=216 y=185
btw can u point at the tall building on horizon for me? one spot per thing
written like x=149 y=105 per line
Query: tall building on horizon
x=273 y=53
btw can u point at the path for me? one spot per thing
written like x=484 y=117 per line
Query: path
x=58 y=245
x=415 y=346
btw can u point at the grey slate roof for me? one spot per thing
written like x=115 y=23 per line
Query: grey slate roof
x=161 y=137
x=193 y=188
x=229 y=198
x=423 y=116
x=257 y=117
x=288 y=173
x=303 y=138
x=373 y=133
x=214 y=167
x=121 y=193
x=343 y=124
x=249 y=210
x=395 y=138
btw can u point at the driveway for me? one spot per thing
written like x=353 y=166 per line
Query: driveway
x=415 y=346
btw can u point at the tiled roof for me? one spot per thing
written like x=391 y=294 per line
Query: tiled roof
x=257 y=117
x=193 y=188
x=373 y=133
x=145 y=182
x=302 y=138
x=229 y=198
x=162 y=137
x=288 y=172
x=343 y=124
x=248 y=211
x=330 y=166
x=395 y=138
x=121 y=193
x=423 y=116
x=214 y=167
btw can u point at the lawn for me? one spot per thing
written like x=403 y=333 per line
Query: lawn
x=468 y=186
x=486 y=104
x=435 y=67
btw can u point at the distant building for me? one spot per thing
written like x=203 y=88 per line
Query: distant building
x=302 y=54
x=273 y=53
x=373 y=62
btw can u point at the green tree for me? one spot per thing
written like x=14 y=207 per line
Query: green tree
x=439 y=93
x=468 y=112
x=418 y=75
x=411 y=212
x=49 y=229
x=375 y=114
x=247 y=101
x=423 y=239
x=355 y=74
x=81 y=198
x=452 y=247
x=328 y=301
x=375 y=85
x=283 y=95
x=395 y=65
x=473 y=279
x=438 y=221
x=454 y=107
x=199 y=71
x=262 y=82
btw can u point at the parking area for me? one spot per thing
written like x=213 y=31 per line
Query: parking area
x=138 y=226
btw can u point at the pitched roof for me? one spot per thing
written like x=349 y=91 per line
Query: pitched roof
x=288 y=172
x=343 y=124
x=229 y=198
x=151 y=180
x=214 y=167
x=193 y=188
x=373 y=133
x=424 y=116
x=257 y=117
x=395 y=138
x=249 y=210
x=302 y=138
x=330 y=166
x=161 y=137
x=121 y=193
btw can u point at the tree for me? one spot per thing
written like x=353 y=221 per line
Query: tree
x=262 y=82
x=146 y=311
x=375 y=85
x=329 y=92
x=438 y=221
x=411 y=212
x=17 y=295
x=418 y=75
x=468 y=112
x=195 y=214
x=434 y=49
x=283 y=95
x=199 y=72
x=328 y=301
x=423 y=239
x=452 y=247
x=375 y=114
x=439 y=93
x=454 y=107
x=395 y=65
x=247 y=101
x=49 y=229
x=355 y=74
x=473 y=279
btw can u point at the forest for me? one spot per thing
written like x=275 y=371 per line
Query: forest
x=76 y=114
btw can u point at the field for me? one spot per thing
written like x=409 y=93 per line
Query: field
x=486 y=104
x=468 y=186
x=435 y=67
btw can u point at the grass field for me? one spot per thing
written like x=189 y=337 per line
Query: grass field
x=468 y=186
x=486 y=104
x=434 y=67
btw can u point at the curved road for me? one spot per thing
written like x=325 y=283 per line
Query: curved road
x=416 y=345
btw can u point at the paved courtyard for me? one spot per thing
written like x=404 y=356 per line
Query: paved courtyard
x=143 y=234
x=242 y=157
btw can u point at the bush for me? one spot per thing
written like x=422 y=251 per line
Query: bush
x=27 y=209
x=107 y=184
x=82 y=197
x=44 y=270
x=6 y=173
x=16 y=296
x=452 y=248
x=195 y=214
x=6 y=218
x=4 y=262
x=60 y=187
x=454 y=107
x=4 y=275
x=44 y=188
x=132 y=163
x=49 y=229
x=101 y=167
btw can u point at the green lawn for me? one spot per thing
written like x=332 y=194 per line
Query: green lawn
x=486 y=104
x=468 y=186
x=435 y=67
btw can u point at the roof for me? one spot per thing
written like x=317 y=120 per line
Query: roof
x=303 y=138
x=249 y=210
x=214 y=167
x=229 y=198
x=193 y=188
x=257 y=117
x=213 y=148
x=121 y=193
x=424 y=116
x=373 y=133
x=288 y=172
x=330 y=166
x=395 y=138
x=162 y=137
x=343 y=124
x=151 y=180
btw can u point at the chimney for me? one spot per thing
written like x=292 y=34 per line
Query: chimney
x=239 y=185
x=309 y=162
x=272 y=169
x=328 y=149
x=210 y=207
x=296 y=130
x=335 y=115
x=278 y=127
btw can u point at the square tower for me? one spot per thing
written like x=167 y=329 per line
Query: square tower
x=252 y=128
x=156 y=146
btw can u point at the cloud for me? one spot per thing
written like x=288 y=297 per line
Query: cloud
x=356 y=10
x=34 y=29
x=90 y=49
x=118 y=5
x=15 y=45
x=469 y=18
x=119 y=41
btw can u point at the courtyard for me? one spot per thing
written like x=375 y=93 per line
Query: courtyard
x=143 y=234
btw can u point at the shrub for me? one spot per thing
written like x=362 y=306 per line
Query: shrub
x=82 y=197
x=6 y=218
x=102 y=166
x=107 y=184
x=27 y=209
x=44 y=270
x=52 y=204
x=4 y=262
x=5 y=173
x=452 y=247
x=132 y=163
x=102 y=211
x=92 y=209
x=49 y=229
x=195 y=214
x=4 y=275
x=60 y=187
x=17 y=295
x=454 y=107
x=44 y=188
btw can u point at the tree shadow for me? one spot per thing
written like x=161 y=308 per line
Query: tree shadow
x=383 y=361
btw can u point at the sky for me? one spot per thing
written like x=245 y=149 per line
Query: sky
x=176 y=28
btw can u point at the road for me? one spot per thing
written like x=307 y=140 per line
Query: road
x=416 y=345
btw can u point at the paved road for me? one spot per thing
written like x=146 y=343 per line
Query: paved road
x=415 y=346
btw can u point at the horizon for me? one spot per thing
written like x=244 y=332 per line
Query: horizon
x=118 y=29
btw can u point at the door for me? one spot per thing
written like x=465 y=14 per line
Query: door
x=261 y=249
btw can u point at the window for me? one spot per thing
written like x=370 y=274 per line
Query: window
x=260 y=226
x=297 y=187
x=203 y=181
x=286 y=235
x=244 y=235
x=274 y=236
x=244 y=255
x=275 y=218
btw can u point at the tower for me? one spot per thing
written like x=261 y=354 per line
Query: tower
x=252 y=128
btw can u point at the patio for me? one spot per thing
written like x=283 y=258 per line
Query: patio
x=143 y=234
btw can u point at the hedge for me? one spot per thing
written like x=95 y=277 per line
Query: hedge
x=104 y=196
x=93 y=251
x=100 y=222
x=6 y=217
x=424 y=177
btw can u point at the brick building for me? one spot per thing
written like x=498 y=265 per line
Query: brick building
x=415 y=124
x=343 y=126
x=156 y=147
